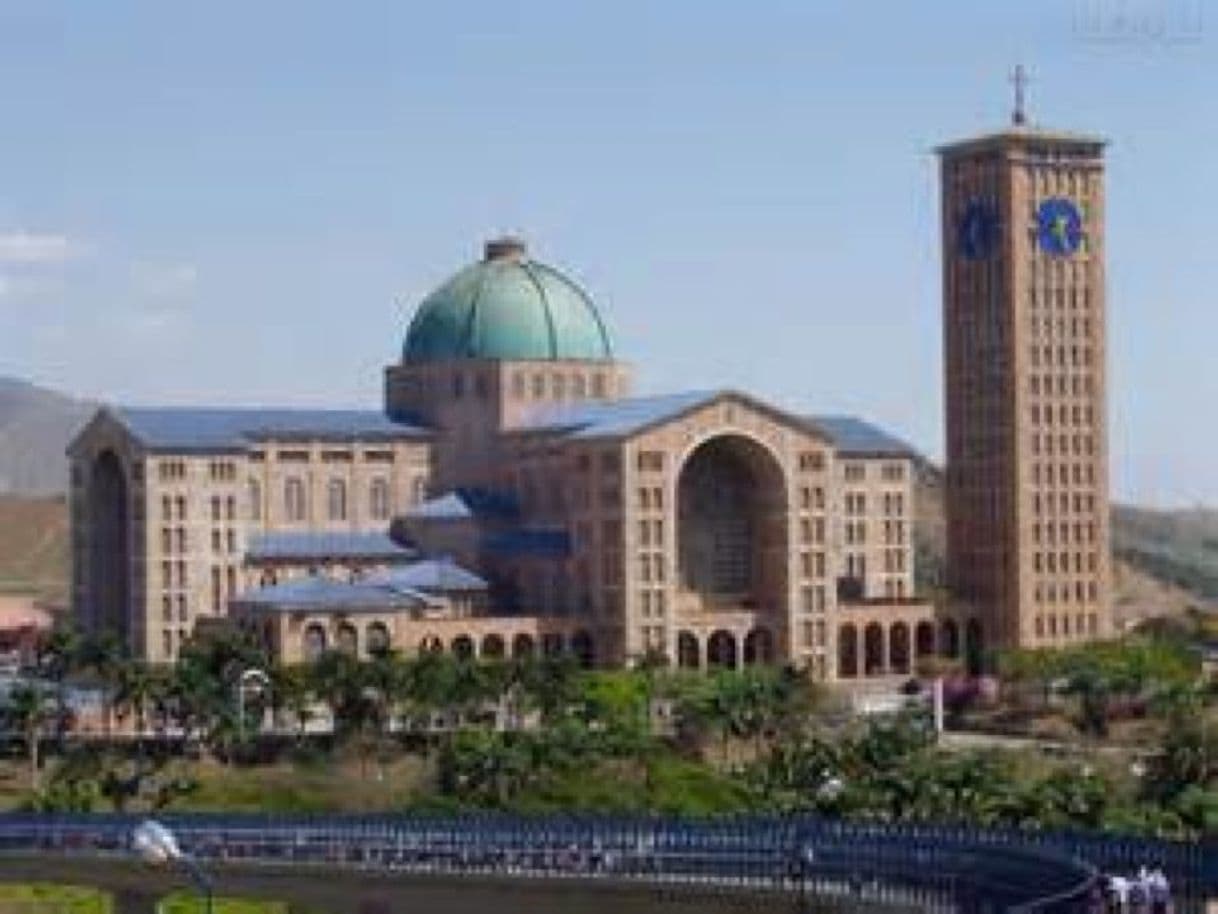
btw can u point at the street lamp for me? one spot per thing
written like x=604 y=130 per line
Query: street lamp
x=156 y=844
x=255 y=677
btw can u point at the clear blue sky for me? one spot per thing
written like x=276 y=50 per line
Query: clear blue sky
x=241 y=202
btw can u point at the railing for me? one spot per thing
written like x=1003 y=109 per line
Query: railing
x=940 y=868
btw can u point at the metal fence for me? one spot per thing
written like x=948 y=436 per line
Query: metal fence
x=934 y=867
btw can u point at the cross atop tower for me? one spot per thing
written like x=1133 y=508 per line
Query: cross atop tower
x=1020 y=80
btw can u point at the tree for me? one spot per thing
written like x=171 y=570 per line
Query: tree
x=31 y=712
x=291 y=691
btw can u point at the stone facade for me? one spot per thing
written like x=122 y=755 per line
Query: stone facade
x=713 y=529
x=1025 y=385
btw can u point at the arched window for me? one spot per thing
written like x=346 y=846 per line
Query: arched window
x=314 y=642
x=294 y=499
x=255 y=496
x=379 y=499
x=336 y=499
x=377 y=639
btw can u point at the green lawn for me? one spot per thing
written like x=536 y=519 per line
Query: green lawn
x=188 y=903
x=47 y=898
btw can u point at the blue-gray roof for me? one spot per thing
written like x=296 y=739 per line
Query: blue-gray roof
x=550 y=541
x=465 y=503
x=855 y=437
x=324 y=545
x=430 y=575
x=214 y=429
x=449 y=506
x=321 y=593
x=614 y=418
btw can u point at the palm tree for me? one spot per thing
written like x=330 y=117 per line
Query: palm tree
x=135 y=688
x=30 y=711
x=104 y=657
x=291 y=691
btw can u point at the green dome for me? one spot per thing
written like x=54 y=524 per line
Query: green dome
x=507 y=307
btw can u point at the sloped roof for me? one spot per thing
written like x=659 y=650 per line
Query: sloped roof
x=429 y=575
x=465 y=503
x=449 y=506
x=613 y=418
x=315 y=592
x=855 y=437
x=323 y=545
x=222 y=429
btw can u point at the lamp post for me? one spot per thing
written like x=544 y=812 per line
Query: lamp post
x=253 y=676
x=156 y=844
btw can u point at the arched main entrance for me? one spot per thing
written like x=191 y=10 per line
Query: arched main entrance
x=109 y=548
x=731 y=527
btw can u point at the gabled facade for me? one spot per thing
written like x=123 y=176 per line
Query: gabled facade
x=711 y=528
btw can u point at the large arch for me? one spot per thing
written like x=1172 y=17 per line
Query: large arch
x=873 y=649
x=523 y=646
x=721 y=650
x=848 y=651
x=898 y=648
x=689 y=651
x=731 y=510
x=109 y=548
x=758 y=647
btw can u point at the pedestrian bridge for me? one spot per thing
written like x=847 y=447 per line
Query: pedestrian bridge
x=372 y=864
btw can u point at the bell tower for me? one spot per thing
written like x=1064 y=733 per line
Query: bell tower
x=1025 y=385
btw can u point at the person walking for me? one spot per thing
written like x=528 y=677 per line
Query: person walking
x=1118 y=886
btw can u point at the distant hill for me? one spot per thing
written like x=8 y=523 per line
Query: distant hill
x=34 y=546
x=35 y=426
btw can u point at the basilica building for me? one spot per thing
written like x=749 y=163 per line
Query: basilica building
x=512 y=497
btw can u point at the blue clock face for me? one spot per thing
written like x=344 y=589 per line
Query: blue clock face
x=1059 y=227
x=977 y=231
